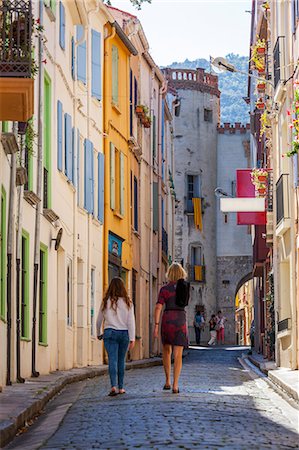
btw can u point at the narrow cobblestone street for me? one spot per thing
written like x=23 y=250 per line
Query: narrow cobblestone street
x=220 y=406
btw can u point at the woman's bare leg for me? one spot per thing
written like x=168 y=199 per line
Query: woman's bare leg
x=178 y=354
x=167 y=362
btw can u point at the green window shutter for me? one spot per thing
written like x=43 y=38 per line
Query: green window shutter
x=155 y=207
x=122 y=184
x=114 y=75
x=43 y=290
x=3 y=262
x=112 y=176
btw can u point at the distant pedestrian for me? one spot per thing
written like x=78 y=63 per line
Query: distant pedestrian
x=175 y=296
x=213 y=332
x=251 y=335
x=199 y=324
x=117 y=311
x=220 y=327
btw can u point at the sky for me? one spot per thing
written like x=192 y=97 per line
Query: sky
x=180 y=29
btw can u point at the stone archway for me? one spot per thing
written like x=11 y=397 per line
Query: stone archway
x=232 y=272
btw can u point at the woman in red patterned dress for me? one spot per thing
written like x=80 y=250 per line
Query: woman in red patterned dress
x=174 y=327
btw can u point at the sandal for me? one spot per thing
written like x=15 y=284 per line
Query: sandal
x=121 y=391
x=112 y=393
x=166 y=387
x=176 y=391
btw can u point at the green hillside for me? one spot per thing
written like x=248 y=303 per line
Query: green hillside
x=233 y=87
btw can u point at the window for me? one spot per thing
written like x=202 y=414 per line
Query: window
x=155 y=207
x=47 y=142
x=92 y=304
x=3 y=254
x=208 y=115
x=196 y=256
x=25 y=285
x=114 y=75
x=117 y=180
x=88 y=177
x=68 y=148
x=154 y=138
x=135 y=204
x=81 y=55
x=96 y=72
x=135 y=92
x=43 y=290
x=162 y=140
x=73 y=71
x=61 y=26
x=59 y=135
x=131 y=102
x=101 y=181
x=192 y=190
x=69 y=293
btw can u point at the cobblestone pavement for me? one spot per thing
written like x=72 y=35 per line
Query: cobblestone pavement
x=219 y=407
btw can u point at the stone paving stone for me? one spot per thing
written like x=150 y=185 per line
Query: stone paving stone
x=219 y=407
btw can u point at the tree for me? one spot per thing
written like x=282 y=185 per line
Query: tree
x=136 y=3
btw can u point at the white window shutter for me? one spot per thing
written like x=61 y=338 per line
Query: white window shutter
x=122 y=184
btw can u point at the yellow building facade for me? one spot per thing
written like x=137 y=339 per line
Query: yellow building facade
x=117 y=220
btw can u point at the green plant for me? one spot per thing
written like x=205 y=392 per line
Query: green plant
x=265 y=122
x=31 y=135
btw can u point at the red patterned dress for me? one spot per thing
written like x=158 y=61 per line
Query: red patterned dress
x=174 y=326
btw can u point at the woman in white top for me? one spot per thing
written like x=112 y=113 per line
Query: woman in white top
x=117 y=311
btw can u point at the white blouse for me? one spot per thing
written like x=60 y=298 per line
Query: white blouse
x=121 y=319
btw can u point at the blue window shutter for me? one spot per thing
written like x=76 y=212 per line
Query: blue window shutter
x=96 y=64
x=78 y=167
x=135 y=92
x=162 y=139
x=73 y=59
x=162 y=212
x=61 y=26
x=155 y=207
x=101 y=175
x=68 y=147
x=88 y=176
x=73 y=157
x=59 y=135
x=81 y=55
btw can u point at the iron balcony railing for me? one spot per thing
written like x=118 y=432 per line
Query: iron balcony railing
x=269 y=199
x=16 y=25
x=282 y=198
x=164 y=241
x=279 y=60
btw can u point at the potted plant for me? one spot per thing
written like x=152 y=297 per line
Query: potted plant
x=260 y=46
x=139 y=110
x=261 y=86
x=259 y=175
x=260 y=104
x=22 y=127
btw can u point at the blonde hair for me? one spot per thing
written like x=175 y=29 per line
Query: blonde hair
x=176 y=272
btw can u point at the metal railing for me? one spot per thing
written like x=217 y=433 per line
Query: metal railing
x=269 y=199
x=284 y=324
x=282 y=198
x=164 y=242
x=279 y=60
x=16 y=25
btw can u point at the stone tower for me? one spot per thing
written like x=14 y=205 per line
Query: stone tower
x=195 y=147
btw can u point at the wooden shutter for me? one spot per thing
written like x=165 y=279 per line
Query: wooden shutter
x=61 y=26
x=59 y=135
x=101 y=175
x=114 y=75
x=135 y=92
x=122 y=184
x=96 y=64
x=154 y=138
x=155 y=207
x=68 y=147
x=81 y=55
x=131 y=102
x=135 y=204
x=162 y=139
x=88 y=176
x=112 y=176
x=73 y=156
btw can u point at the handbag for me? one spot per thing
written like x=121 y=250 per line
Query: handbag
x=182 y=293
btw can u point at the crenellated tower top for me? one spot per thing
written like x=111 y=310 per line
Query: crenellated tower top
x=228 y=128
x=190 y=79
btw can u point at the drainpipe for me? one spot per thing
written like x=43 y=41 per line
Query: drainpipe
x=18 y=270
x=10 y=236
x=38 y=191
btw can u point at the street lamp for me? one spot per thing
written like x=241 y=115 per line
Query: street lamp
x=222 y=65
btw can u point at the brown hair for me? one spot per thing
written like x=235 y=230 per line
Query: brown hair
x=176 y=272
x=115 y=290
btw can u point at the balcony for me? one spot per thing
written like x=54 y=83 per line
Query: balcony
x=283 y=220
x=164 y=242
x=197 y=273
x=16 y=84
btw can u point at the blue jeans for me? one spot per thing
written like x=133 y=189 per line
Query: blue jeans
x=116 y=344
